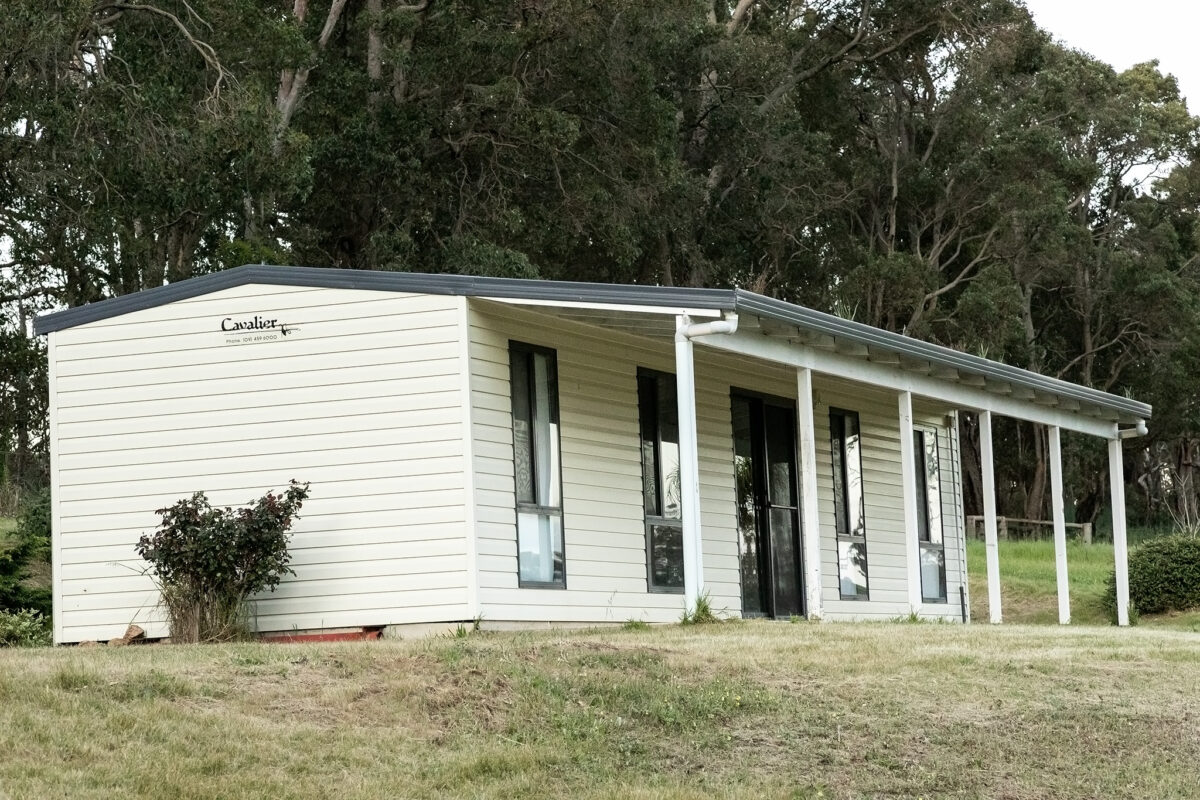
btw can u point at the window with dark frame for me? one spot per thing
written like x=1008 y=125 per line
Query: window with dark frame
x=658 y=416
x=537 y=466
x=848 y=503
x=929 y=516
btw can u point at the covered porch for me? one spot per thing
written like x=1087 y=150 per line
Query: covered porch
x=814 y=349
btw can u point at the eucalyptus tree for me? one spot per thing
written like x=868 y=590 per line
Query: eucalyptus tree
x=132 y=132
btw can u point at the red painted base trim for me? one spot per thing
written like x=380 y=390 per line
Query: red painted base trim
x=309 y=638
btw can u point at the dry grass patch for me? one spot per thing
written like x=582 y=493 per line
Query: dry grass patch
x=740 y=710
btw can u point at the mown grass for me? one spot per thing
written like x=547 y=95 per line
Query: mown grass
x=748 y=709
x=1029 y=588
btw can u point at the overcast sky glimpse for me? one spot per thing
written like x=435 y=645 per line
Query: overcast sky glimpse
x=1127 y=32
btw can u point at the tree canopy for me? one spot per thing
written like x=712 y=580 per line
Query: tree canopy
x=937 y=167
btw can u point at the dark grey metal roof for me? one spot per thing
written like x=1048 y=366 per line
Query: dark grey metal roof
x=737 y=300
x=850 y=330
x=420 y=283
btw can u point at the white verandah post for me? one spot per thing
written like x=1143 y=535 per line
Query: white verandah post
x=1116 y=479
x=988 y=474
x=810 y=519
x=1060 y=526
x=689 y=467
x=908 y=483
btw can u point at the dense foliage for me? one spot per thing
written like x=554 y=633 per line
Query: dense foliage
x=938 y=167
x=25 y=558
x=1164 y=575
x=209 y=562
x=24 y=628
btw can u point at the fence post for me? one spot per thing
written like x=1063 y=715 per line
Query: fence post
x=1003 y=527
x=1087 y=533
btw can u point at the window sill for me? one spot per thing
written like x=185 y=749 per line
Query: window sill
x=559 y=585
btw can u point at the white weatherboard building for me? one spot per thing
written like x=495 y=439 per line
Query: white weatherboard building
x=533 y=451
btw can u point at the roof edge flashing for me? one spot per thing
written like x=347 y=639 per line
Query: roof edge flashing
x=384 y=281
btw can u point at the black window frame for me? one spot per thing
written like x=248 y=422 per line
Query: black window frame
x=525 y=349
x=924 y=533
x=654 y=378
x=837 y=434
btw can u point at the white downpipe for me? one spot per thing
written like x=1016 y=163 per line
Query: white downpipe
x=964 y=585
x=1140 y=429
x=689 y=449
x=908 y=483
x=1116 y=478
x=988 y=474
x=1060 y=526
x=690 y=330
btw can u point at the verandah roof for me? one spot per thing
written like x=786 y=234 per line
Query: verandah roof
x=775 y=317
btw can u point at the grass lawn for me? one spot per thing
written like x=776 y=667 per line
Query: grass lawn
x=1029 y=589
x=746 y=709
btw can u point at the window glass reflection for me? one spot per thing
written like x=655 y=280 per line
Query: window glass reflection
x=536 y=468
x=666 y=556
x=933 y=489
x=668 y=432
x=837 y=432
x=539 y=542
x=852 y=567
x=854 y=478
x=747 y=511
x=929 y=515
x=849 y=503
x=933 y=574
x=659 y=424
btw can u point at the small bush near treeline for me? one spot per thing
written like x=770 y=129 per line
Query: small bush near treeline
x=26 y=556
x=24 y=628
x=1164 y=575
x=208 y=561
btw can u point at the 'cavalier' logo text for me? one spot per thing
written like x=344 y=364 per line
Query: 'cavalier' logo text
x=255 y=329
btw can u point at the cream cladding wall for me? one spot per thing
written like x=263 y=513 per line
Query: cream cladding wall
x=887 y=562
x=363 y=398
x=604 y=535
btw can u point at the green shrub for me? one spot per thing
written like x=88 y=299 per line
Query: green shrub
x=209 y=561
x=24 y=628
x=27 y=555
x=1164 y=575
x=33 y=524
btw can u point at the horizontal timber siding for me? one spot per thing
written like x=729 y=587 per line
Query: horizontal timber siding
x=363 y=400
x=602 y=502
x=604 y=533
x=887 y=555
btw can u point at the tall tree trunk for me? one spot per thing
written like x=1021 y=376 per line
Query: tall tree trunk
x=1035 y=496
x=969 y=455
x=374 y=53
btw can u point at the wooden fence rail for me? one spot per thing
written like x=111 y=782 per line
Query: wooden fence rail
x=1025 y=528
